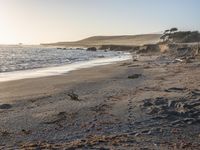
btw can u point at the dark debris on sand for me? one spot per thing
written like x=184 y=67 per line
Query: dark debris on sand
x=5 y=106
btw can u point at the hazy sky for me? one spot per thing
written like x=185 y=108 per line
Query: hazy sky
x=39 y=21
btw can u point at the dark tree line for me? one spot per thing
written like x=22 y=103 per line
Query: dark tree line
x=173 y=35
x=168 y=35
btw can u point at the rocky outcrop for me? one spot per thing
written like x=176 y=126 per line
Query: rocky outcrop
x=150 y=48
x=119 y=48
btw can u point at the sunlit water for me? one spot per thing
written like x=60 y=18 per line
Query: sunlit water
x=30 y=62
x=25 y=58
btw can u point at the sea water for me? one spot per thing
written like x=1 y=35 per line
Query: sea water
x=18 y=62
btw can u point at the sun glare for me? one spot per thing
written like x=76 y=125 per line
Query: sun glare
x=6 y=30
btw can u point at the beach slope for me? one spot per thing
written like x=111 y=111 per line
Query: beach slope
x=148 y=103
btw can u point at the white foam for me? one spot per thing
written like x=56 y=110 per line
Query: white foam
x=52 y=71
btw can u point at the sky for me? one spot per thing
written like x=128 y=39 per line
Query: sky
x=45 y=21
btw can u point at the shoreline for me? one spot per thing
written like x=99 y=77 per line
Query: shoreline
x=58 y=70
x=26 y=88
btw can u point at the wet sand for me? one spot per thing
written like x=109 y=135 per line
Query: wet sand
x=128 y=105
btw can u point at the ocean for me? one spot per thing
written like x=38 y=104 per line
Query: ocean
x=25 y=62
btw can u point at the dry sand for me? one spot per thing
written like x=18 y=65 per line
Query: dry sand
x=146 y=104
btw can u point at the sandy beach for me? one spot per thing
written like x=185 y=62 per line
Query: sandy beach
x=99 y=75
x=143 y=104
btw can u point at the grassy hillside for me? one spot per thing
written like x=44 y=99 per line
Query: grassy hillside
x=186 y=37
x=112 y=40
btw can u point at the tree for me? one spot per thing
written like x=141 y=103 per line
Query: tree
x=172 y=30
x=166 y=31
x=168 y=35
x=162 y=38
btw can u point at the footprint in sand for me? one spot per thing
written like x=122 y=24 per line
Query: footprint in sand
x=130 y=118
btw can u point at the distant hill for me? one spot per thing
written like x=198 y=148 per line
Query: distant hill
x=129 y=40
